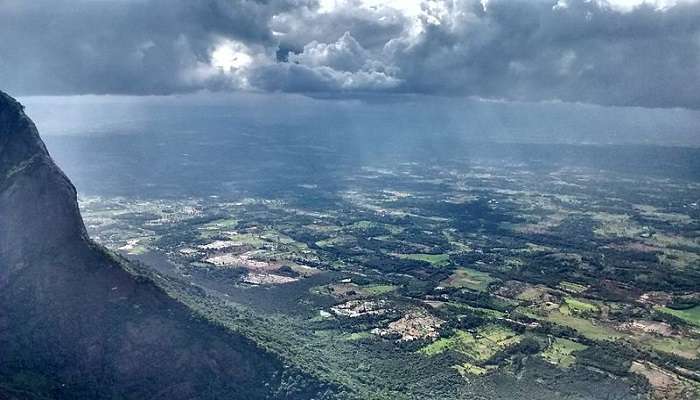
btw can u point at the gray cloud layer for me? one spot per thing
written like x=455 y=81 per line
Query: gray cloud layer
x=578 y=50
x=124 y=46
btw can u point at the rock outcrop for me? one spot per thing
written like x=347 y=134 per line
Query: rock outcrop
x=75 y=324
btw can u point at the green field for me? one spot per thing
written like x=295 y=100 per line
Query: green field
x=684 y=347
x=560 y=352
x=572 y=287
x=690 y=315
x=577 y=306
x=470 y=279
x=437 y=260
x=586 y=327
x=479 y=346
x=352 y=290
x=224 y=223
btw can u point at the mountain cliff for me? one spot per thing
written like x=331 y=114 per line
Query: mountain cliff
x=75 y=324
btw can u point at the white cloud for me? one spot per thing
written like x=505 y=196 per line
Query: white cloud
x=344 y=55
x=628 y=5
x=343 y=65
x=231 y=55
x=406 y=7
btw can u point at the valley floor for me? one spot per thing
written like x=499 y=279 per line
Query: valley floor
x=417 y=280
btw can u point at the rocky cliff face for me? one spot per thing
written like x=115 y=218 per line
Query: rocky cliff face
x=38 y=207
x=74 y=324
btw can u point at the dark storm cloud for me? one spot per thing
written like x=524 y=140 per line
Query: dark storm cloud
x=576 y=51
x=124 y=46
x=584 y=51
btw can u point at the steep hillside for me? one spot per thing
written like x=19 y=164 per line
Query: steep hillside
x=74 y=324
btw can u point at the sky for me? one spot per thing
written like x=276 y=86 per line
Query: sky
x=629 y=53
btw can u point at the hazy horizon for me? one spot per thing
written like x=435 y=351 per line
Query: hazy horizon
x=409 y=115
